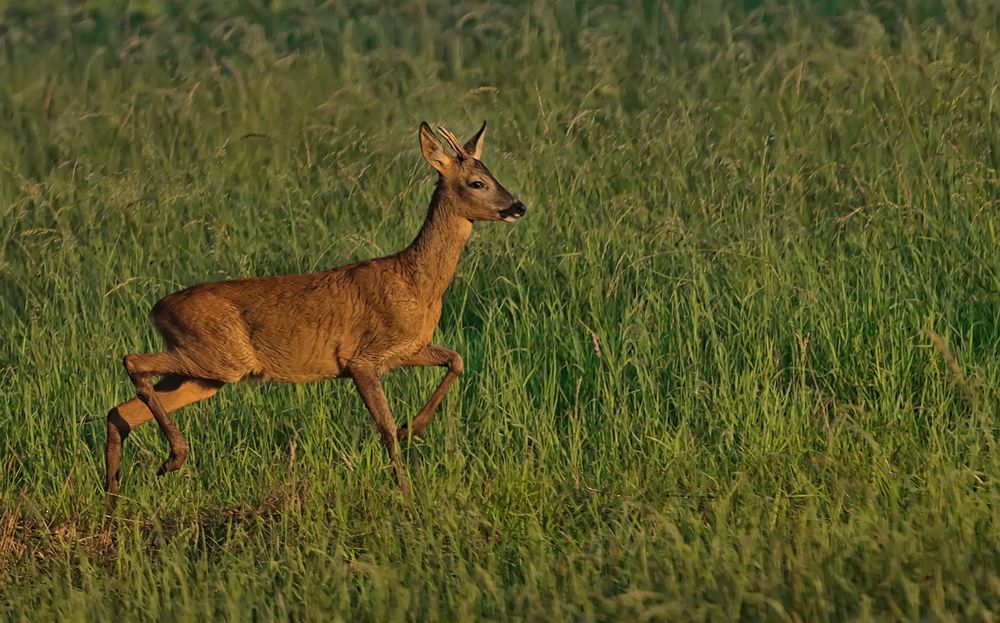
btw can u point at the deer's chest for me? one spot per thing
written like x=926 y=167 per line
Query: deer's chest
x=407 y=332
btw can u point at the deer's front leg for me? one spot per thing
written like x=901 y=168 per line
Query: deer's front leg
x=370 y=387
x=432 y=356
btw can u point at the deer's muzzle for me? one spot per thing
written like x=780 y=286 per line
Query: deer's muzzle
x=514 y=212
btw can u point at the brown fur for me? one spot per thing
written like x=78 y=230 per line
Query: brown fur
x=356 y=321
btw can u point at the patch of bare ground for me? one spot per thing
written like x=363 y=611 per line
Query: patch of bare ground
x=25 y=535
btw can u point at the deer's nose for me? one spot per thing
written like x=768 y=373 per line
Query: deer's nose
x=514 y=212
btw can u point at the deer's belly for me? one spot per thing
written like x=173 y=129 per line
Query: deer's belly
x=301 y=372
x=301 y=358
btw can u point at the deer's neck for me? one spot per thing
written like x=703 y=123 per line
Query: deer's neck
x=432 y=257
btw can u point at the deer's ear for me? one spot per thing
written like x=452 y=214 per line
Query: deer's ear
x=434 y=152
x=474 y=146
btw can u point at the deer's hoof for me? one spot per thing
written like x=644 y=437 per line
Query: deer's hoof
x=405 y=433
x=112 y=503
x=174 y=461
x=404 y=487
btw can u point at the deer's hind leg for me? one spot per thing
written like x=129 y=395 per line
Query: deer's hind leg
x=141 y=368
x=173 y=392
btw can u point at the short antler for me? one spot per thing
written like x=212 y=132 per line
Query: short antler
x=454 y=142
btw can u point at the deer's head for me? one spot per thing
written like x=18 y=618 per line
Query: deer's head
x=472 y=190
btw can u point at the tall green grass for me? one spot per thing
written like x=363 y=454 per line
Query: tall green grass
x=740 y=360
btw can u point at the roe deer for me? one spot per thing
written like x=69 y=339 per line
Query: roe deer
x=356 y=321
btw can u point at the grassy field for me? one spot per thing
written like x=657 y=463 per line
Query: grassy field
x=741 y=358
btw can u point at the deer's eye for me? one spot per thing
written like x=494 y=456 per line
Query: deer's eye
x=477 y=185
